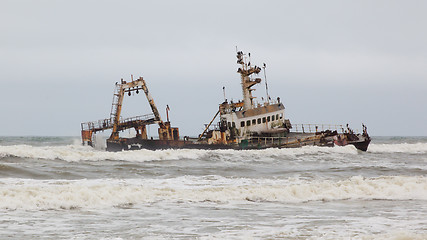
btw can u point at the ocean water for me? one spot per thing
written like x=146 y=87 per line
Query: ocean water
x=54 y=188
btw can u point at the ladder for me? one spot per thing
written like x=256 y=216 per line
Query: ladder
x=116 y=102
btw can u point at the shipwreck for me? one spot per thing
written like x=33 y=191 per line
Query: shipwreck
x=245 y=124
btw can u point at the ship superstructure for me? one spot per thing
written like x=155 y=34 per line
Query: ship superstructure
x=249 y=117
x=245 y=124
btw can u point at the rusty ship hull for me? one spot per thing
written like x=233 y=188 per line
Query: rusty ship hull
x=156 y=144
x=294 y=141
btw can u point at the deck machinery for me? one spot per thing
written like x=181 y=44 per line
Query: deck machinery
x=245 y=124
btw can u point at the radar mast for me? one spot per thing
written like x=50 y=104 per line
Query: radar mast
x=245 y=71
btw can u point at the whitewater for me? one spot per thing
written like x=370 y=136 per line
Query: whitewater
x=55 y=188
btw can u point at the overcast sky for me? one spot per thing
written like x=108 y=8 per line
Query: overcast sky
x=329 y=61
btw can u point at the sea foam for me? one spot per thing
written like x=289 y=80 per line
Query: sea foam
x=107 y=193
x=76 y=153
x=414 y=148
x=72 y=153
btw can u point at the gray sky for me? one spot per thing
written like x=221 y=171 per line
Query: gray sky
x=329 y=61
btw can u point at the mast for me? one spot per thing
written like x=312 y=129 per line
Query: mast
x=266 y=86
x=245 y=72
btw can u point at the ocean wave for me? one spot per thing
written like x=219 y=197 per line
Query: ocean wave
x=75 y=153
x=107 y=193
x=316 y=234
x=413 y=148
x=397 y=235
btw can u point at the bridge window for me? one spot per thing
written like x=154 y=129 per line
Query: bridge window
x=272 y=118
x=263 y=120
x=242 y=123
x=253 y=121
x=234 y=124
x=277 y=116
x=248 y=123
x=259 y=121
x=229 y=124
x=281 y=115
x=268 y=119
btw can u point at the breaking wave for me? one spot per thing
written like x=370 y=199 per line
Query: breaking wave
x=414 y=148
x=72 y=153
x=107 y=193
x=75 y=153
x=269 y=233
x=396 y=235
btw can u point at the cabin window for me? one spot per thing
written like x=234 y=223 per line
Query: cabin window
x=242 y=123
x=268 y=119
x=234 y=124
x=263 y=120
x=248 y=123
x=253 y=121
x=281 y=115
x=272 y=118
x=259 y=121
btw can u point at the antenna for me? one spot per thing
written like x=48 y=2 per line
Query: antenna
x=223 y=90
x=266 y=85
x=167 y=112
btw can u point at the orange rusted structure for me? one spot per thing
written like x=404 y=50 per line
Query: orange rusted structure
x=117 y=124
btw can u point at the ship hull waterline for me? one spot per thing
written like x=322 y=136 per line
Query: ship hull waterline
x=124 y=144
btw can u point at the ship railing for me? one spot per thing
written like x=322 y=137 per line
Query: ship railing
x=313 y=128
x=138 y=118
x=109 y=122
x=215 y=127
x=95 y=125
x=280 y=141
x=266 y=103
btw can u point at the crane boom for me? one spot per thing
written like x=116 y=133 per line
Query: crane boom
x=150 y=100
